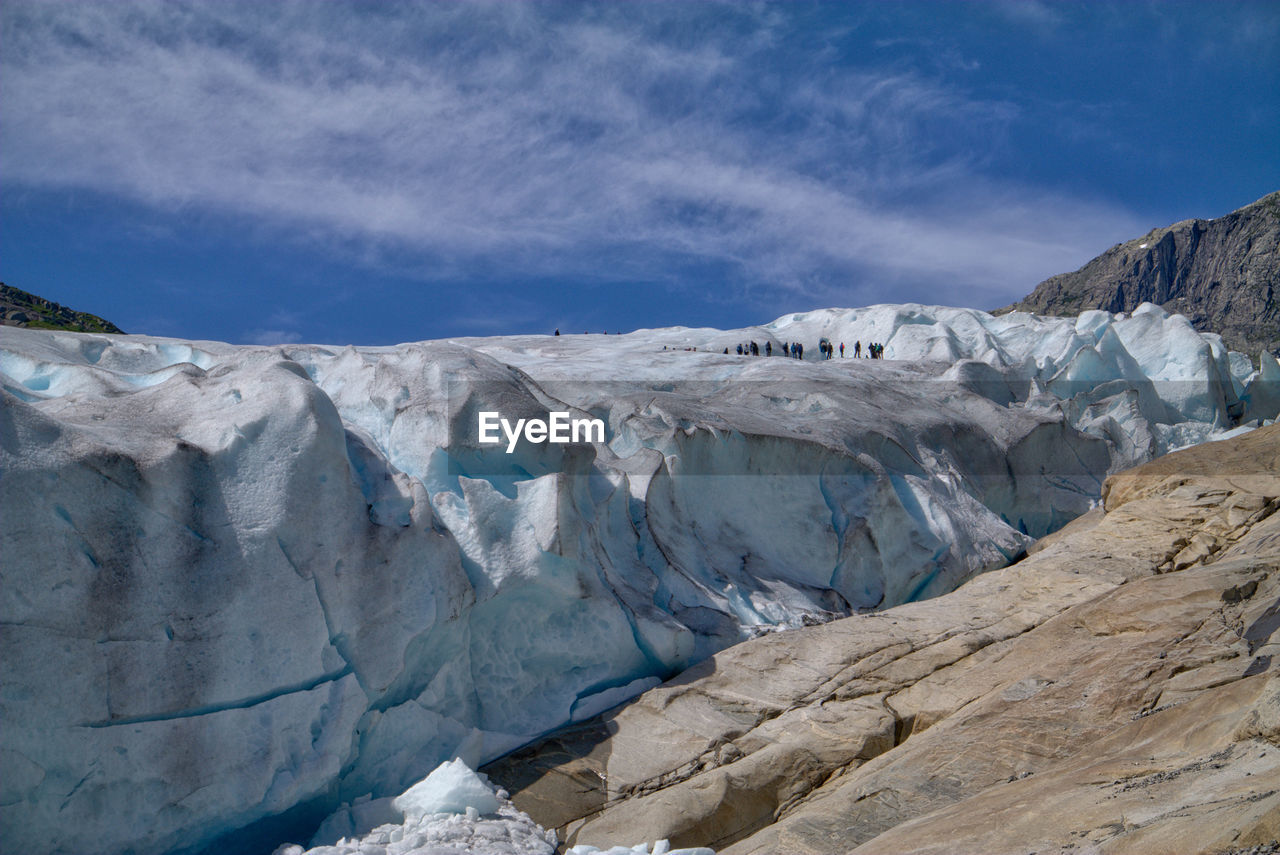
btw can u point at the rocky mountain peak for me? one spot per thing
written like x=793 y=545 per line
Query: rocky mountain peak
x=1223 y=274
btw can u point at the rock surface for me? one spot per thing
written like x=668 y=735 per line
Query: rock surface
x=1115 y=691
x=20 y=309
x=1223 y=274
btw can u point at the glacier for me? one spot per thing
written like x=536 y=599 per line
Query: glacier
x=245 y=589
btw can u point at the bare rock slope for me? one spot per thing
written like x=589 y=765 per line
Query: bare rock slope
x=1116 y=691
x=1223 y=274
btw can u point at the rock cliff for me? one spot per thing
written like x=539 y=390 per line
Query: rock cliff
x=1223 y=274
x=1113 y=692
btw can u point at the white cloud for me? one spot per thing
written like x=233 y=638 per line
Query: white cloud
x=1035 y=13
x=530 y=139
x=270 y=337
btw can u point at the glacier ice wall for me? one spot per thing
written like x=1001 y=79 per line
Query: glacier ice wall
x=240 y=586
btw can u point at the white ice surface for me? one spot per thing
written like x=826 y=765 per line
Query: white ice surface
x=452 y=787
x=454 y=811
x=287 y=579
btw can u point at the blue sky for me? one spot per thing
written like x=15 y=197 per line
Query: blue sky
x=373 y=173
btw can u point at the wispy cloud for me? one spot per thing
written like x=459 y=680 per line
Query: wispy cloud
x=1034 y=13
x=269 y=337
x=591 y=141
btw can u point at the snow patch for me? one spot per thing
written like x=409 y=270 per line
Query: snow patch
x=452 y=788
x=456 y=810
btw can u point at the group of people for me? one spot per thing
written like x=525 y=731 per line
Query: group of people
x=750 y=348
x=795 y=349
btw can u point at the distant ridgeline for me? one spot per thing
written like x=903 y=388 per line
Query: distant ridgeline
x=1223 y=274
x=20 y=309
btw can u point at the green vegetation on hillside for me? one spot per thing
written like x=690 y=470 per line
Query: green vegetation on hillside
x=21 y=309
